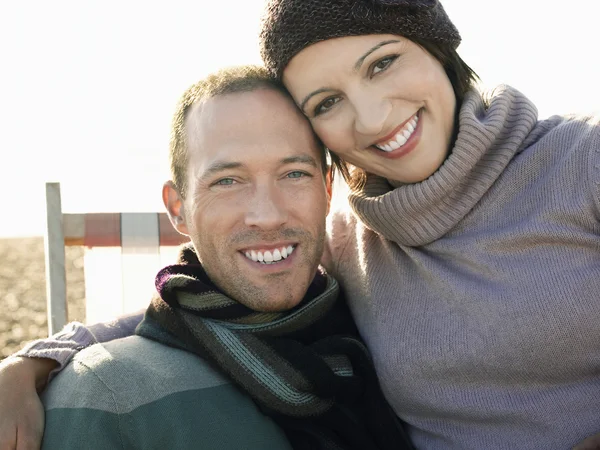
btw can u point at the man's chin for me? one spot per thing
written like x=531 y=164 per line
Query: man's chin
x=281 y=299
x=272 y=303
x=267 y=288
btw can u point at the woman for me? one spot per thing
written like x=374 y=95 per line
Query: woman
x=471 y=252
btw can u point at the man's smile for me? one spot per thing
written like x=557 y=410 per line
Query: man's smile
x=270 y=256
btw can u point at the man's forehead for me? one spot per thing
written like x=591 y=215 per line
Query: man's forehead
x=240 y=108
x=258 y=118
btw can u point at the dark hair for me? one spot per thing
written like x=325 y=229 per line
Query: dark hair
x=462 y=78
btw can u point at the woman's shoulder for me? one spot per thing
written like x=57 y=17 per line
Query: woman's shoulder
x=570 y=144
x=565 y=132
x=582 y=125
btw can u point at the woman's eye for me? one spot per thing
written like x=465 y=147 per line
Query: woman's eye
x=382 y=64
x=326 y=105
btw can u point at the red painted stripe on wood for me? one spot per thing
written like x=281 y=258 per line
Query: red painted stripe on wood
x=102 y=230
x=168 y=234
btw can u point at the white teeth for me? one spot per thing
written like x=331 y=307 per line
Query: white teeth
x=270 y=257
x=400 y=139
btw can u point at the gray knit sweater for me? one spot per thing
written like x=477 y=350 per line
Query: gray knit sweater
x=478 y=289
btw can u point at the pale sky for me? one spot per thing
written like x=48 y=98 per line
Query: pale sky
x=87 y=88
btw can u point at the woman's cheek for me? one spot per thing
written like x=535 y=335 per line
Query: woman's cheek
x=334 y=138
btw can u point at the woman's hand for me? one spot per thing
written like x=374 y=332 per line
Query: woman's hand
x=21 y=411
x=591 y=443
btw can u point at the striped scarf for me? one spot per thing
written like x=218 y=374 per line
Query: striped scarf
x=306 y=367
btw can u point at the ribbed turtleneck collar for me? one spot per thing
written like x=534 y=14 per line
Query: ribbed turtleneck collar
x=488 y=138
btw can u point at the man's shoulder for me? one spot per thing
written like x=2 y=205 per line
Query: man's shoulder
x=137 y=390
x=135 y=355
x=134 y=369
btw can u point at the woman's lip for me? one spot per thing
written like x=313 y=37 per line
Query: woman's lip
x=409 y=146
x=396 y=130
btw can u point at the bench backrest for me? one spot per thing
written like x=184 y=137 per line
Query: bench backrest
x=123 y=252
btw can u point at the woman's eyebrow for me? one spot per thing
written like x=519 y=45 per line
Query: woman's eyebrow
x=361 y=60
x=312 y=94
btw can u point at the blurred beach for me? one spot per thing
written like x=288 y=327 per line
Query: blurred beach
x=23 y=291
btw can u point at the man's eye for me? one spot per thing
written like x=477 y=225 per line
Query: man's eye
x=382 y=64
x=326 y=105
x=225 y=182
x=296 y=174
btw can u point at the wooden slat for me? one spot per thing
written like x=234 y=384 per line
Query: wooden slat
x=104 y=230
x=168 y=234
x=103 y=283
x=73 y=229
x=139 y=232
x=140 y=258
x=118 y=280
x=56 y=283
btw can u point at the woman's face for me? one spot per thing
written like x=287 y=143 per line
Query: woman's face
x=380 y=102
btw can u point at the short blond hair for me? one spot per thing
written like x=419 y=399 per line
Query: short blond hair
x=226 y=81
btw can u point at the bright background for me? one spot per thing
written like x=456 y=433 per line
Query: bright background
x=87 y=88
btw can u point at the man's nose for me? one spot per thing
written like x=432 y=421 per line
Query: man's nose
x=371 y=115
x=267 y=209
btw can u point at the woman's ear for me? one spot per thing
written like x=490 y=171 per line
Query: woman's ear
x=175 y=207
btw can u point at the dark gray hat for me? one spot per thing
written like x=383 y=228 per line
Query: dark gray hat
x=288 y=26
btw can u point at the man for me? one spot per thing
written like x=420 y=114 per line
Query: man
x=244 y=346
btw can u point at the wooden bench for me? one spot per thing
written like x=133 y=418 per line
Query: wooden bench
x=123 y=252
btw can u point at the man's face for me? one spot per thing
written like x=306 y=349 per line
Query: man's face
x=257 y=199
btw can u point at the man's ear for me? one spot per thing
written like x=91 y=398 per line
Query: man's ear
x=329 y=186
x=175 y=207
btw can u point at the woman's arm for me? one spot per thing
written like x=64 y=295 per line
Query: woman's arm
x=22 y=413
x=25 y=374
x=62 y=346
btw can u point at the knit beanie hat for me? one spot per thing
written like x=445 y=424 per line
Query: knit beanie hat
x=288 y=26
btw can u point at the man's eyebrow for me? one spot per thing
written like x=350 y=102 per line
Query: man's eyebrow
x=361 y=60
x=217 y=167
x=357 y=65
x=304 y=159
x=221 y=166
